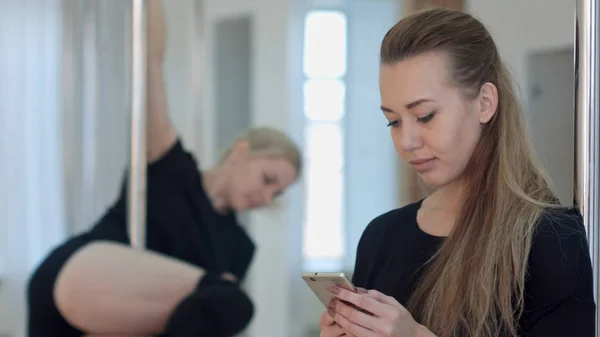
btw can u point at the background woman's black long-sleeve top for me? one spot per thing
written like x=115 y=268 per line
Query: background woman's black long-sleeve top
x=559 y=287
x=181 y=222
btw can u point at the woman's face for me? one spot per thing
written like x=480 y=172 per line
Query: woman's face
x=435 y=128
x=256 y=181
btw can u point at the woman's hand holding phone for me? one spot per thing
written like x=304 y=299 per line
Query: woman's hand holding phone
x=329 y=327
x=377 y=315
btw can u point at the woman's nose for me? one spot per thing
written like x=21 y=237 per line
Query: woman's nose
x=410 y=138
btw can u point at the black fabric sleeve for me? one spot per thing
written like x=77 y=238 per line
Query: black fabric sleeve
x=177 y=167
x=167 y=179
x=559 y=290
x=244 y=253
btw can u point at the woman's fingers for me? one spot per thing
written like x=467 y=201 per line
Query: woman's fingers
x=326 y=319
x=384 y=298
x=329 y=328
x=360 y=300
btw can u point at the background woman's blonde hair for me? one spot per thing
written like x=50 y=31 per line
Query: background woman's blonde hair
x=269 y=142
x=474 y=286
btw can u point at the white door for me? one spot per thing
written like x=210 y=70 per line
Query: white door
x=551 y=118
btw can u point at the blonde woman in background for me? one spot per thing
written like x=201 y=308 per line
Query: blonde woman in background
x=490 y=252
x=187 y=282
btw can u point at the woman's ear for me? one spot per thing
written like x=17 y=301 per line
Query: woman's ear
x=488 y=102
x=241 y=147
x=239 y=151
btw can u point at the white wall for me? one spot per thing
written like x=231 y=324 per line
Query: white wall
x=538 y=26
x=182 y=70
x=520 y=27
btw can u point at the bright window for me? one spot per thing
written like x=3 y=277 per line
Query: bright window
x=324 y=99
x=325 y=44
x=324 y=110
x=324 y=148
x=324 y=208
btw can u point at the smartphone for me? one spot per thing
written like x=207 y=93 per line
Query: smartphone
x=319 y=282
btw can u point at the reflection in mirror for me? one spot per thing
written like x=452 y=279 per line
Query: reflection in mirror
x=307 y=68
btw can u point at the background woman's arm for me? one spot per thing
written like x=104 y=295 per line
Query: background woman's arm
x=161 y=135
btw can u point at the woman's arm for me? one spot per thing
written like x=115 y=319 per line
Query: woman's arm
x=161 y=134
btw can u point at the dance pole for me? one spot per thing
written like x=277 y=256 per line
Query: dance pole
x=137 y=169
x=586 y=129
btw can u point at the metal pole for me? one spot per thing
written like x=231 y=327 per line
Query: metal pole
x=137 y=169
x=586 y=129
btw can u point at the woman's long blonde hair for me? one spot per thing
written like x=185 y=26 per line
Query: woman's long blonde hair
x=474 y=286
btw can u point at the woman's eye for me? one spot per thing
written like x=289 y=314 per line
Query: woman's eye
x=393 y=124
x=426 y=118
x=267 y=180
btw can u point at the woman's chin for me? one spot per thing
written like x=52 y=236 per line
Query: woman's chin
x=433 y=180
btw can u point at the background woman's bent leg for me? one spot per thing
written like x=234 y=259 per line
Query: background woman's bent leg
x=110 y=288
